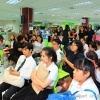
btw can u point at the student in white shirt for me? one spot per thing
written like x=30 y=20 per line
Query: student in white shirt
x=94 y=58
x=24 y=72
x=82 y=79
x=49 y=58
x=85 y=46
x=98 y=48
x=56 y=46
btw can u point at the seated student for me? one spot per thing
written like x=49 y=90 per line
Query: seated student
x=17 y=49
x=85 y=46
x=98 y=48
x=75 y=53
x=24 y=72
x=94 y=58
x=82 y=79
x=49 y=58
x=56 y=46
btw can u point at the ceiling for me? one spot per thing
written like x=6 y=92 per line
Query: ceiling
x=13 y=12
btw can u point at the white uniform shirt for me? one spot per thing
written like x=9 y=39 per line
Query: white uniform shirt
x=27 y=68
x=53 y=72
x=38 y=46
x=97 y=75
x=58 y=56
x=84 y=95
x=98 y=53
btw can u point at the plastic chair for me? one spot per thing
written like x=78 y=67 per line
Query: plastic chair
x=49 y=44
x=62 y=46
x=60 y=65
x=7 y=42
x=61 y=74
x=1 y=55
x=45 y=43
x=45 y=40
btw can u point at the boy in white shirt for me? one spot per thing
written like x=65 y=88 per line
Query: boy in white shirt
x=82 y=79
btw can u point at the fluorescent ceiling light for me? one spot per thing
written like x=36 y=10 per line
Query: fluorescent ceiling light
x=36 y=12
x=97 y=10
x=13 y=1
x=52 y=9
x=83 y=3
x=74 y=13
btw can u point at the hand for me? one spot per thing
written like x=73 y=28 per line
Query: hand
x=15 y=73
x=64 y=58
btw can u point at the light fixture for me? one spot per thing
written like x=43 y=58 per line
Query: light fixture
x=36 y=12
x=83 y=3
x=74 y=13
x=13 y=1
x=97 y=10
x=52 y=9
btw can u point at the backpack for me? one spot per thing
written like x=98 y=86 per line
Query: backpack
x=67 y=95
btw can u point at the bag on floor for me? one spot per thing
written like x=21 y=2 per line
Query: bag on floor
x=11 y=79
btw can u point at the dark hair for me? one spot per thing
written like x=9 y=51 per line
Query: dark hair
x=27 y=35
x=79 y=45
x=56 y=36
x=93 y=44
x=83 y=39
x=20 y=37
x=40 y=37
x=50 y=52
x=67 y=27
x=92 y=55
x=74 y=30
x=1 y=38
x=57 y=41
x=27 y=45
x=99 y=63
x=85 y=65
x=97 y=43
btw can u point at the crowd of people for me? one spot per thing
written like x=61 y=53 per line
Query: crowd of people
x=80 y=55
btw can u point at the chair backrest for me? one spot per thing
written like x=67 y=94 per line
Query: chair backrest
x=60 y=65
x=45 y=43
x=1 y=54
x=49 y=44
x=7 y=42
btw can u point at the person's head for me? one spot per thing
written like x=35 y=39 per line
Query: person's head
x=27 y=35
x=73 y=30
x=81 y=28
x=92 y=46
x=55 y=37
x=85 y=28
x=56 y=44
x=90 y=26
x=33 y=37
x=67 y=27
x=39 y=38
x=12 y=37
x=1 y=38
x=92 y=56
x=27 y=49
x=61 y=28
x=48 y=55
x=20 y=33
x=83 y=41
x=76 y=46
x=84 y=68
x=97 y=44
x=99 y=63
x=45 y=29
x=21 y=38
x=58 y=28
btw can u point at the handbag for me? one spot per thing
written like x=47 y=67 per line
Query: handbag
x=42 y=74
x=11 y=79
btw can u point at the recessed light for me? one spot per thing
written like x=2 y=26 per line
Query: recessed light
x=52 y=9
x=83 y=3
x=36 y=12
x=97 y=10
x=74 y=13
x=52 y=15
x=13 y=1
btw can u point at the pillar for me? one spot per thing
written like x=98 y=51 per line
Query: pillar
x=28 y=19
x=85 y=21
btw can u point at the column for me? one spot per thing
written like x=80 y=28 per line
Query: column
x=28 y=19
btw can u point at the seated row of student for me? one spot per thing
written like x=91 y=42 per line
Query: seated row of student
x=38 y=46
x=94 y=58
x=25 y=72
x=76 y=52
x=17 y=49
x=82 y=79
x=49 y=58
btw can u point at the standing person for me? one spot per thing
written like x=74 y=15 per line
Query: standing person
x=90 y=33
x=66 y=36
x=24 y=72
x=35 y=31
x=49 y=58
x=57 y=31
x=75 y=53
x=73 y=33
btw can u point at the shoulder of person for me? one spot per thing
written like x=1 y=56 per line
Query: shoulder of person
x=80 y=55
